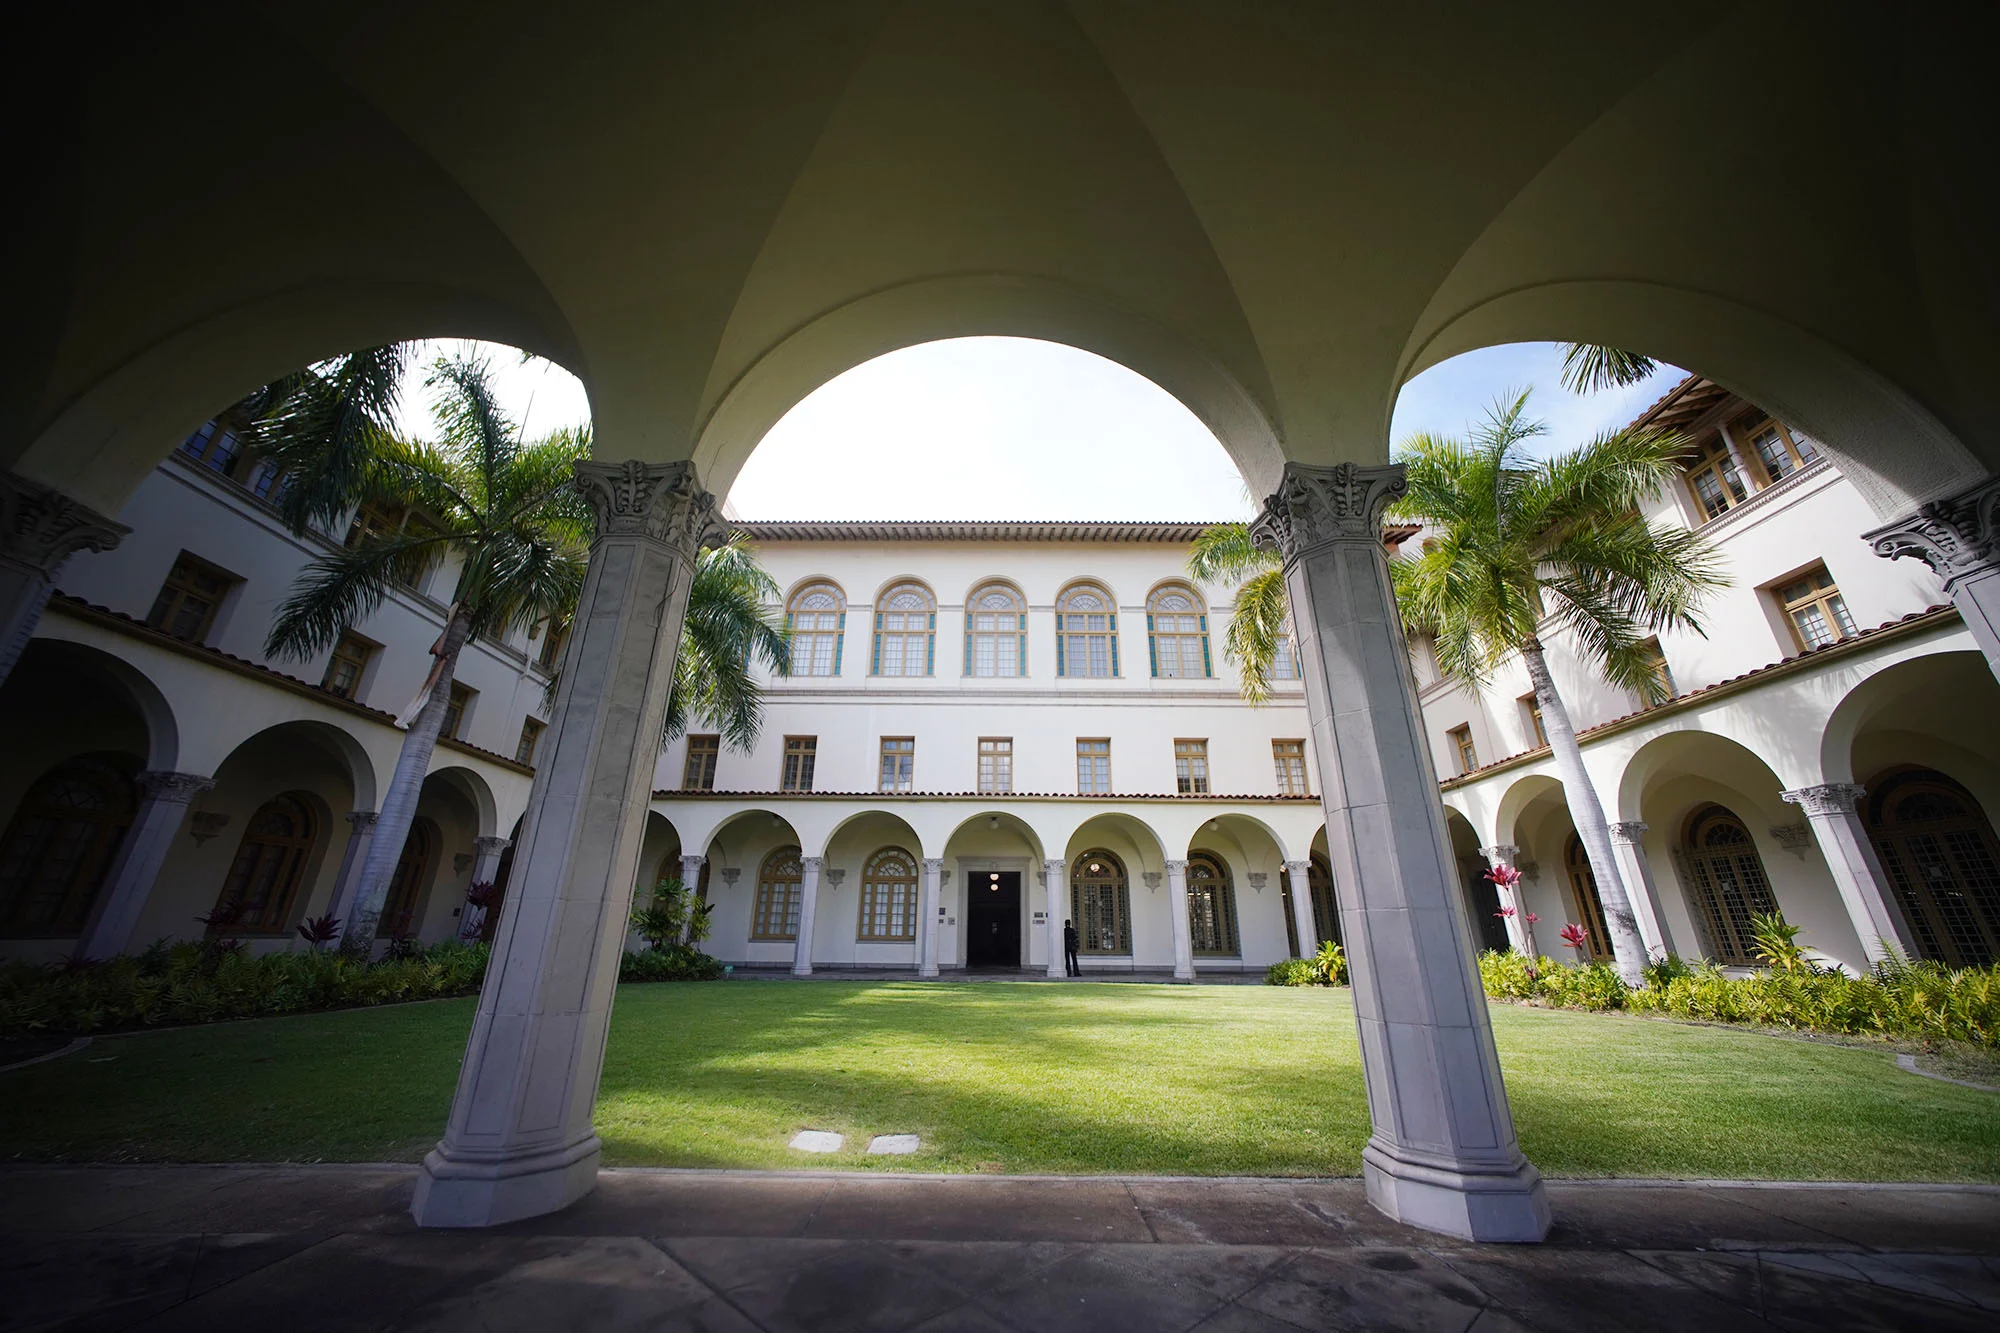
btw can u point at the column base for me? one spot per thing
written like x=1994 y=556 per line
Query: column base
x=487 y=1193
x=1510 y=1208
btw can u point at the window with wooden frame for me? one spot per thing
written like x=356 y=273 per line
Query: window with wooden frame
x=554 y=638
x=775 y=914
x=1714 y=480
x=190 y=598
x=1814 y=608
x=409 y=880
x=898 y=763
x=1461 y=744
x=1290 y=759
x=996 y=632
x=1177 y=633
x=1656 y=659
x=347 y=665
x=1779 y=451
x=1285 y=661
x=61 y=842
x=1589 y=907
x=800 y=754
x=214 y=446
x=263 y=881
x=1531 y=708
x=457 y=708
x=531 y=736
x=265 y=480
x=1101 y=903
x=1086 y=632
x=1191 y=767
x=1093 y=767
x=1943 y=862
x=905 y=632
x=1730 y=886
x=698 y=774
x=380 y=520
x=996 y=764
x=1211 y=906
x=816 y=617
x=888 y=898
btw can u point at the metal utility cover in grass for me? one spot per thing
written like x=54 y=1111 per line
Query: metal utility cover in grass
x=895 y=1145
x=816 y=1140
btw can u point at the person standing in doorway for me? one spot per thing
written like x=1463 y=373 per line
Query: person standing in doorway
x=1069 y=949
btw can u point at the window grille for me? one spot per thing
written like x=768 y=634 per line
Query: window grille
x=190 y=598
x=996 y=633
x=801 y=752
x=60 y=844
x=1290 y=759
x=905 y=633
x=1943 y=863
x=1589 y=907
x=408 y=881
x=1211 y=903
x=775 y=915
x=1730 y=886
x=817 y=620
x=1177 y=634
x=1086 y=633
x=263 y=881
x=1461 y=741
x=889 y=897
x=1101 y=904
x=1815 y=609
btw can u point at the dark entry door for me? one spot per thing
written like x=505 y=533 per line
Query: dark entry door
x=993 y=918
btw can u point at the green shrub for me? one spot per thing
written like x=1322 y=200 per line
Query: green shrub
x=1587 y=986
x=1330 y=964
x=1292 y=972
x=675 y=962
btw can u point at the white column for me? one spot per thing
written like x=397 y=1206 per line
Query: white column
x=486 y=853
x=802 y=947
x=1857 y=873
x=163 y=805
x=40 y=528
x=1299 y=874
x=1628 y=845
x=1055 y=896
x=360 y=832
x=519 y=1142
x=1177 y=903
x=691 y=871
x=1519 y=933
x=1743 y=468
x=1959 y=538
x=927 y=917
x=1443 y=1154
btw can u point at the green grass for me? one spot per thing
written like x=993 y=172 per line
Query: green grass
x=1015 y=1078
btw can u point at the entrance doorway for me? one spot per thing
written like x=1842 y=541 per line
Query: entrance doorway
x=993 y=919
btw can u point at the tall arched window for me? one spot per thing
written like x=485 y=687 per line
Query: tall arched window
x=1583 y=896
x=1211 y=906
x=1102 y=903
x=817 y=618
x=996 y=632
x=406 y=885
x=1177 y=633
x=60 y=844
x=1730 y=886
x=889 y=898
x=1086 y=632
x=270 y=866
x=1939 y=853
x=906 y=632
x=776 y=913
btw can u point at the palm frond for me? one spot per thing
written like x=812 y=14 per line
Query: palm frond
x=320 y=427
x=471 y=421
x=1588 y=367
x=1257 y=632
x=340 y=588
x=732 y=623
x=1223 y=554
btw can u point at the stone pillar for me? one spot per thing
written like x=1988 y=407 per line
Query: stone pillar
x=40 y=528
x=1959 y=538
x=1055 y=897
x=802 y=946
x=163 y=805
x=1520 y=933
x=519 y=1142
x=1299 y=873
x=486 y=853
x=1443 y=1154
x=1857 y=873
x=691 y=871
x=360 y=832
x=927 y=910
x=1177 y=903
x=1627 y=844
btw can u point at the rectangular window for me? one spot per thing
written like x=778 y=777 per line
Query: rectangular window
x=996 y=764
x=190 y=598
x=1290 y=757
x=212 y=447
x=265 y=481
x=1532 y=707
x=1815 y=609
x=1191 y=767
x=553 y=639
x=699 y=773
x=899 y=763
x=349 y=661
x=1714 y=479
x=1657 y=667
x=531 y=736
x=800 y=752
x=1780 y=452
x=1285 y=662
x=1461 y=741
x=1093 y=767
x=455 y=711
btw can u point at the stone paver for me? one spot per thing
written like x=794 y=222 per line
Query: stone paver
x=893 y=1145
x=817 y=1140
x=332 y=1248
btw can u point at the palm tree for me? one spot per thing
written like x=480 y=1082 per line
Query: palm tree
x=732 y=618
x=1224 y=555
x=1513 y=544
x=1588 y=367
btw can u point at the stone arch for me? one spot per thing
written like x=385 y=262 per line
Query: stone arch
x=84 y=664
x=996 y=822
x=1520 y=794
x=475 y=789
x=861 y=824
x=1946 y=708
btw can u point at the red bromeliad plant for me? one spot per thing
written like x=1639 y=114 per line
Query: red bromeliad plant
x=320 y=931
x=1575 y=936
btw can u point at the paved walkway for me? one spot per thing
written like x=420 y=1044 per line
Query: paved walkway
x=301 y=1249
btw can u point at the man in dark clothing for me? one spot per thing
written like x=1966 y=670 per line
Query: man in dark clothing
x=1069 y=949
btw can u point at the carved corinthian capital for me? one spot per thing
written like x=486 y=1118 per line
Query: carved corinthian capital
x=175 y=788
x=1314 y=506
x=663 y=501
x=1834 y=798
x=1955 y=536
x=40 y=527
x=1632 y=831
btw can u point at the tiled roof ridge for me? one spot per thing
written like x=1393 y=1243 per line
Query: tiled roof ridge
x=663 y=793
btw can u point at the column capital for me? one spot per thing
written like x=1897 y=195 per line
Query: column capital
x=492 y=846
x=1955 y=536
x=1316 y=506
x=1177 y=867
x=691 y=861
x=362 y=820
x=661 y=501
x=179 y=788
x=1630 y=831
x=812 y=864
x=1501 y=853
x=933 y=865
x=1298 y=868
x=1054 y=865
x=1832 y=798
x=40 y=527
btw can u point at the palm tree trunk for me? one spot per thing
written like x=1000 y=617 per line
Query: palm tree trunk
x=1587 y=812
x=399 y=805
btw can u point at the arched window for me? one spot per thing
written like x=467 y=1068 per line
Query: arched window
x=1177 y=633
x=263 y=881
x=776 y=914
x=1939 y=853
x=61 y=843
x=1211 y=907
x=996 y=632
x=906 y=632
x=817 y=619
x=1583 y=896
x=1102 y=903
x=1086 y=632
x=406 y=885
x=889 y=898
x=1730 y=886
x=1326 y=918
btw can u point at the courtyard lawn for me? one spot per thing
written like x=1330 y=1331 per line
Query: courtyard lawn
x=1008 y=1077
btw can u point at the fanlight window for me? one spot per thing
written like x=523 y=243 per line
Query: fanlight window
x=1103 y=903
x=1177 y=633
x=61 y=843
x=889 y=897
x=817 y=619
x=1729 y=881
x=1211 y=906
x=1943 y=861
x=776 y=913
x=906 y=632
x=1086 y=632
x=996 y=632
x=1589 y=907
x=264 y=880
